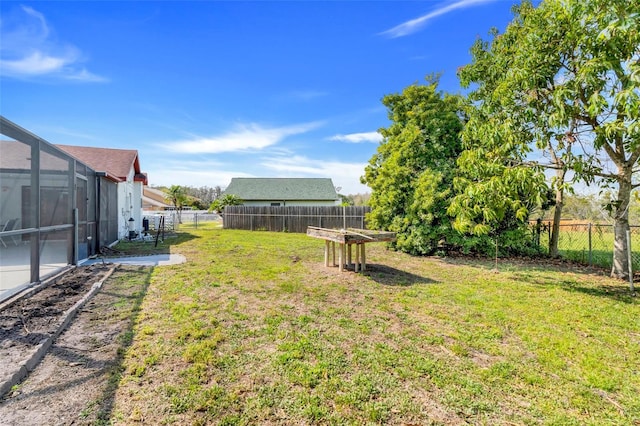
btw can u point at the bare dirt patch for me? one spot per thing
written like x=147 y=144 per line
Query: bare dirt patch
x=74 y=382
x=29 y=321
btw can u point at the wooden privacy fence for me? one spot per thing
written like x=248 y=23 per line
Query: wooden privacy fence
x=294 y=218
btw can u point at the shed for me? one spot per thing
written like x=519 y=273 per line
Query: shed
x=284 y=191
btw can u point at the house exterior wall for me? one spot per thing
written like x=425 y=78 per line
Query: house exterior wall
x=129 y=205
x=284 y=203
x=137 y=205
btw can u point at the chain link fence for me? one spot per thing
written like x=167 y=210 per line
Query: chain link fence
x=190 y=218
x=587 y=243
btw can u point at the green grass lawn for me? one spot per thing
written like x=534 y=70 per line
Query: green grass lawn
x=253 y=329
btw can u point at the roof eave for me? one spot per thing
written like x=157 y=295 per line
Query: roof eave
x=109 y=176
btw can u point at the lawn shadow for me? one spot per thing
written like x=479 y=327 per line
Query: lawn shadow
x=137 y=247
x=523 y=268
x=616 y=289
x=618 y=293
x=388 y=275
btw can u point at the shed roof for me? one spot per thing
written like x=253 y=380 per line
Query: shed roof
x=282 y=189
x=154 y=197
x=115 y=162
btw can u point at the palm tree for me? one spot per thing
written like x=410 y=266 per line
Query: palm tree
x=177 y=196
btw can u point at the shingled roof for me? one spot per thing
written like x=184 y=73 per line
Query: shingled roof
x=115 y=162
x=154 y=197
x=285 y=189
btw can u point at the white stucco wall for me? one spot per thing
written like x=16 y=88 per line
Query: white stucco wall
x=129 y=205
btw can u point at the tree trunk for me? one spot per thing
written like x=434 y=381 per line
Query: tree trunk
x=561 y=172
x=620 y=268
x=555 y=230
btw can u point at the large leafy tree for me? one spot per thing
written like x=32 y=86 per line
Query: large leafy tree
x=411 y=173
x=560 y=89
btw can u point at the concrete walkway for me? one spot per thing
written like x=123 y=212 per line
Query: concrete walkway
x=153 y=260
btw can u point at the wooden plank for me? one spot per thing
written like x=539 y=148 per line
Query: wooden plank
x=326 y=252
x=351 y=235
x=364 y=258
x=326 y=234
x=333 y=249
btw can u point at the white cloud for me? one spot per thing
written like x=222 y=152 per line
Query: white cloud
x=345 y=175
x=35 y=64
x=372 y=137
x=29 y=50
x=200 y=171
x=417 y=24
x=245 y=137
x=211 y=172
x=84 y=75
x=39 y=17
x=197 y=178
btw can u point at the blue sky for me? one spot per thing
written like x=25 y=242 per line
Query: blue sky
x=207 y=91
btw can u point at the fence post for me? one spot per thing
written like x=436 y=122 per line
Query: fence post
x=590 y=246
x=630 y=261
x=344 y=217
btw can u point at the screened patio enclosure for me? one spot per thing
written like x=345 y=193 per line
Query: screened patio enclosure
x=54 y=210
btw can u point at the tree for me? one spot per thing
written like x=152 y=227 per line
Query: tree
x=205 y=194
x=226 y=200
x=177 y=196
x=412 y=172
x=587 y=208
x=359 y=199
x=346 y=200
x=560 y=89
